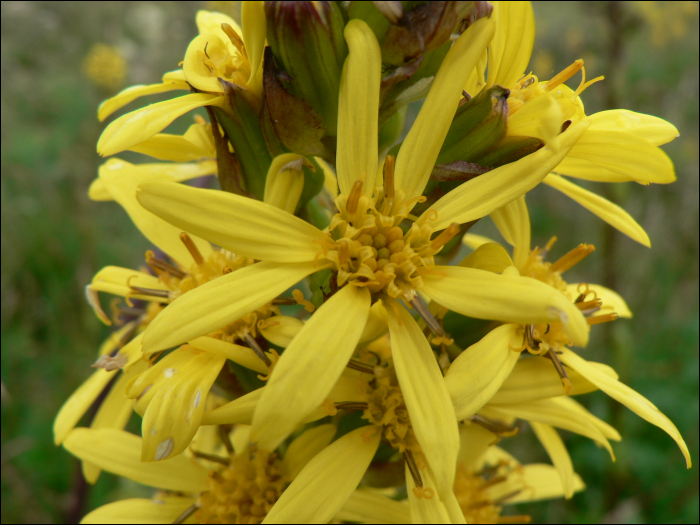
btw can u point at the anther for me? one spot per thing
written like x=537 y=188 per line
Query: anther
x=226 y=270
x=572 y=258
x=235 y=39
x=343 y=252
x=548 y=246
x=284 y=301
x=360 y=366
x=497 y=427
x=351 y=405
x=225 y=438
x=159 y=264
x=520 y=518
x=445 y=236
x=598 y=319
x=565 y=381
x=165 y=294
x=354 y=197
x=530 y=341
x=587 y=305
x=211 y=457
x=413 y=468
x=187 y=513
x=256 y=348
x=389 y=177
x=192 y=248
x=427 y=316
x=564 y=75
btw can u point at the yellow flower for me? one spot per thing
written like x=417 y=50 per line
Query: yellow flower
x=228 y=482
x=488 y=477
x=599 y=304
x=618 y=146
x=291 y=249
x=105 y=66
x=218 y=52
x=171 y=394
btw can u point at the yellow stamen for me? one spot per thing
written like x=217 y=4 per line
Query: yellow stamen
x=445 y=236
x=343 y=252
x=192 y=248
x=236 y=40
x=587 y=305
x=601 y=319
x=389 y=177
x=354 y=197
x=329 y=407
x=572 y=258
x=565 y=75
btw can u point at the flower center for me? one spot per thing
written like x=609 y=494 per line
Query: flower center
x=547 y=338
x=475 y=500
x=529 y=87
x=245 y=491
x=386 y=407
x=368 y=247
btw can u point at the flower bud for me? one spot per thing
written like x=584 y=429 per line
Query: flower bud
x=307 y=43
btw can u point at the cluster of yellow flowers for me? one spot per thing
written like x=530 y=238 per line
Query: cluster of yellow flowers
x=305 y=343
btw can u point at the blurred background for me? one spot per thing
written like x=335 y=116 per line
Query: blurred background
x=61 y=59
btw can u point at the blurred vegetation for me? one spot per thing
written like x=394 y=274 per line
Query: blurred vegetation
x=54 y=239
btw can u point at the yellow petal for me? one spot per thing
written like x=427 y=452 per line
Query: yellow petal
x=647 y=127
x=114 y=412
x=283 y=188
x=511 y=47
x=627 y=156
x=358 y=107
x=477 y=78
x=535 y=378
x=242 y=355
x=612 y=301
x=137 y=126
x=426 y=395
x=610 y=212
x=490 y=256
x=175 y=391
x=244 y=226
x=122 y=98
x=479 y=371
x=553 y=412
x=326 y=482
x=119 y=452
x=513 y=221
x=121 y=181
x=210 y=22
x=113 y=279
x=220 y=302
x=633 y=400
x=238 y=411
x=254 y=32
x=367 y=506
x=176 y=148
x=474 y=241
x=488 y=192
x=305 y=447
x=536 y=482
x=419 y=151
x=475 y=440
x=77 y=404
x=556 y=449
x=541 y=118
x=508 y=298
x=376 y=324
x=437 y=509
x=139 y=511
x=319 y=351
x=197 y=71
x=162 y=171
x=281 y=329
x=330 y=181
